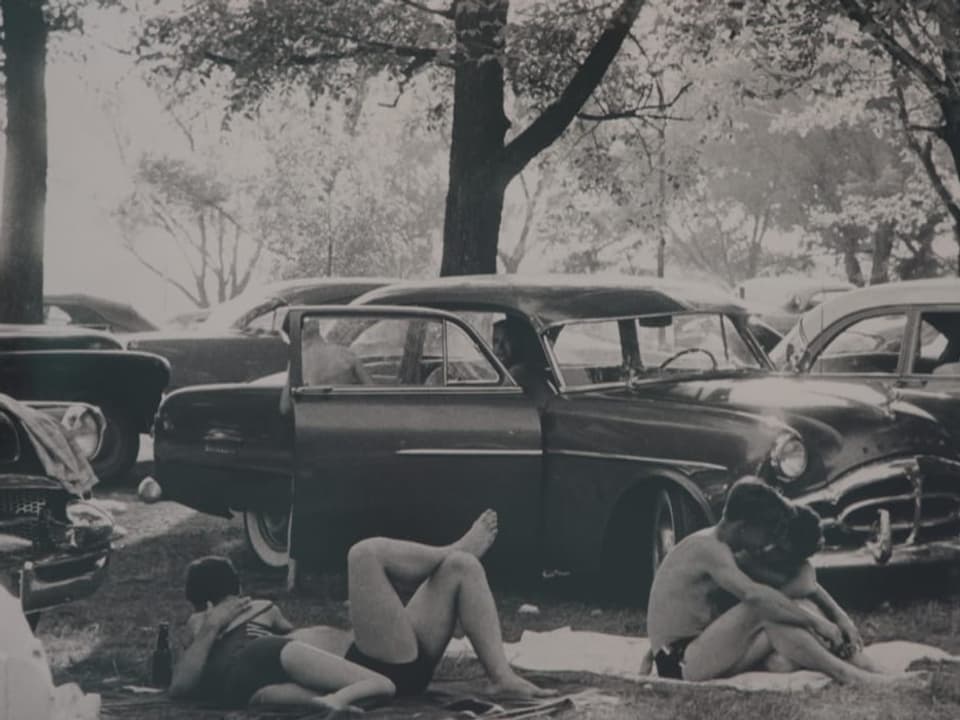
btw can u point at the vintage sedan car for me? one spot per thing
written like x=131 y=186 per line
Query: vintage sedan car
x=628 y=412
x=904 y=336
x=778 y=302
x=54 y=544
x=242 y=339
x=94 y=312
x=71 y=364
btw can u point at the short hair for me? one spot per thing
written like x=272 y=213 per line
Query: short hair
x=210 y=580
x=804 y=534
x=752 y=502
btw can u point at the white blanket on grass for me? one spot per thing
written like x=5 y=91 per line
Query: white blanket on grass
x=620 y=656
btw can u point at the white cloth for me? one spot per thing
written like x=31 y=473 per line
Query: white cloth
x=621 y=656
x=26 y=686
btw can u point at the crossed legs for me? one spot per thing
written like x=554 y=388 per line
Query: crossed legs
x=740 y=640
x=452 y=588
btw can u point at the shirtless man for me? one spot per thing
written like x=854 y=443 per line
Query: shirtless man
x=694 y=638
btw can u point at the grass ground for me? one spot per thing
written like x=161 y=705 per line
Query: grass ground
x=104 y=642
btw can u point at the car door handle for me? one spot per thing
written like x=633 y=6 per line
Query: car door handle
x=226 y=436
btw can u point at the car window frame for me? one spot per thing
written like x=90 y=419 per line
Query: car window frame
x=296 y=314
x=917 y=311
x=816 y=346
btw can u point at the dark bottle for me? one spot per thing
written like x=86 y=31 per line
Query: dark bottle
x=161 y=668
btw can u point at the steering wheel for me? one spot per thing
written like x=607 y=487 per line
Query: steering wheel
x=688 y=351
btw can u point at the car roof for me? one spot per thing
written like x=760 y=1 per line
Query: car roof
x=550 y=299
x=316 y=290
x=906 y=292
x=114 y=312
x=40 y=337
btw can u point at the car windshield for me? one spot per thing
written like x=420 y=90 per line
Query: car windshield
x=651 y=347
x=239 y=311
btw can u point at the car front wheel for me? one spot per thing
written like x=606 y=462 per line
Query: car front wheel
x=119 y=449
x=268 y=535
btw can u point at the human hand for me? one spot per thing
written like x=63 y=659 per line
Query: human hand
x=850 y=633
x=224 y=612
x=831 y=633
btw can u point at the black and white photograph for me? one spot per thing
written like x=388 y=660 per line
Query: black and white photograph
x=500 y=359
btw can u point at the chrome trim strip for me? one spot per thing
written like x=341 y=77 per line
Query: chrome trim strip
x=862 y=477
x=470 y=452
x=379 y=390
x=639 y=458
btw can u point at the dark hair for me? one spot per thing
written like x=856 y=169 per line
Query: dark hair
x=210 y=580
x=753 y=502
x=804 y=536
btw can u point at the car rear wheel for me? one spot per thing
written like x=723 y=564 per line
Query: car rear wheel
x=268 y=535
x=119 y=449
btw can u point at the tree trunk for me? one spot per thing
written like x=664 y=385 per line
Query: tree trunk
x=850 y=262
x=474 y=206
x=25 y=166
x=882 y=247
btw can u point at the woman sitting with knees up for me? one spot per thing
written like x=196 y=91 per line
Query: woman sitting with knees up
x=245 y=652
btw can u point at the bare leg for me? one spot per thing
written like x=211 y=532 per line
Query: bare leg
x=459 y=591
x=733 y=643
x=381 y=625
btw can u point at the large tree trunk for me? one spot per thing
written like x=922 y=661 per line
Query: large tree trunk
x=25 y=166
x=481 y=166
x=474 y=208
x=882 y=248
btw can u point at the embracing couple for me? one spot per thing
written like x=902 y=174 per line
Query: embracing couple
x=743 y=596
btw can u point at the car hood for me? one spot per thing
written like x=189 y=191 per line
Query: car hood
x=843 y=424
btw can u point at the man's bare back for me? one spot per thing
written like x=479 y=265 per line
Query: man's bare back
x=682 y=600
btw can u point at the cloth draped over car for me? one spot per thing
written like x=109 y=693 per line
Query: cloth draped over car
x=55 y=449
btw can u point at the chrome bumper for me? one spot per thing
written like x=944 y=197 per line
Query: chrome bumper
x=922 y=491
x=928 y=553
x=61 y=579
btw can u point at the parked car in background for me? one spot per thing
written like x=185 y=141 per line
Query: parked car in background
x=626 y=414
x=189 y=319
x=777 y=302
x=242 y=339
x=93 y=312
x=54 y=545
x=904 y=336
x=70 y=364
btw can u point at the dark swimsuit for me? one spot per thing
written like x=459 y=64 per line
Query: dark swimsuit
x=242 y=661
x=669 y=659
x=410 y=678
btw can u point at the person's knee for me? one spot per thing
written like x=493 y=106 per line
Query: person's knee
x=461 y=564
x=364 y=552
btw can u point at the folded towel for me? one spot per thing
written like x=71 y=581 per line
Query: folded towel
x=56 y=450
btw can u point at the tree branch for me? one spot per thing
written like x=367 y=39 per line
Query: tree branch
x=551 y=123
x=870 y=25
x=161 y=274
x=447 y=13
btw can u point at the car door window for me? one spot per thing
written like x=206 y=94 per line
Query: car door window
x=937 y=351
x=870 y=345
x=466 y=363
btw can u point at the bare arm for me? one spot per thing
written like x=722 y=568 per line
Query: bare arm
x=204 y=630
x=769 y=603
x=279 y=623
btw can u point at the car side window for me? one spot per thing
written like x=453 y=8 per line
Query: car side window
x=393 y=351
x=870 y=345
x=265 y=323
x=466 y=363
x=937 y=351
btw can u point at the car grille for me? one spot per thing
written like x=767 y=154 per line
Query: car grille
x=20 y=511
x=922 y=495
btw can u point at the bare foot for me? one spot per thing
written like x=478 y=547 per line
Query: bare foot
x=478 y=539
x=516 y=688
x=904 y=680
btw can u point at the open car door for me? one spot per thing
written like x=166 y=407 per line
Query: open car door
x=406 y=426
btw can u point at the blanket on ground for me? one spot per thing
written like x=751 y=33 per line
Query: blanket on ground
x=621 y=656
x=54 y=447
x=445 y=700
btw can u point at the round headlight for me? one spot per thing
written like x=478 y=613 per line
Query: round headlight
x=789 y=456
x=84 y=428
